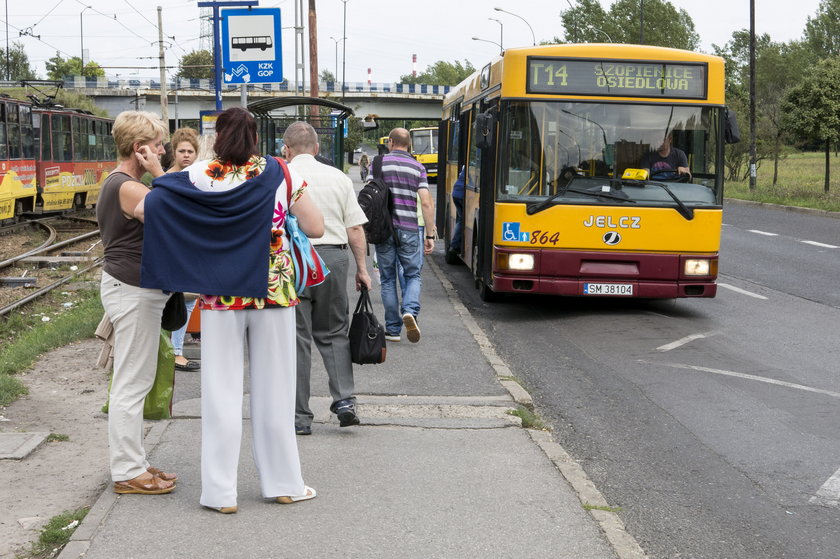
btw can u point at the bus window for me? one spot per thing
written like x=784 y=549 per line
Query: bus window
x=26 y=132
x=4 y=143
x=551 y=143
x=474 y=160
x=13 y=118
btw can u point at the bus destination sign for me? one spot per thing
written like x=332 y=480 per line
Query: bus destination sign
x=624 y=78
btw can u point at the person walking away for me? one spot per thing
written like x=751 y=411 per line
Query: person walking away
x=407 y=183
x=134 y=312
x=323 y=312
x=233 y=210
x=364 y=165
x=184 y=152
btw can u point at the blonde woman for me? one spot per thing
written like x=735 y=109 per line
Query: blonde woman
x=135 y=312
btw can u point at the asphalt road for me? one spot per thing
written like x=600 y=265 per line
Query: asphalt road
x=713 y=423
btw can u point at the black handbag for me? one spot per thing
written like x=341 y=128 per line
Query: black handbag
x=174 y=313
x=367 y=336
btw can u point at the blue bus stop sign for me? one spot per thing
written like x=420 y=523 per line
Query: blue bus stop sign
x=251 y=49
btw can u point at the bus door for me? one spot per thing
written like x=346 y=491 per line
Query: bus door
x=481 y=178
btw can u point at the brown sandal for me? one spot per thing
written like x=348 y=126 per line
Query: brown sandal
x=154 y=486
x=162 y=475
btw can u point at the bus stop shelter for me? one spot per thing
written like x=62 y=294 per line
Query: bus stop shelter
x=275 y=114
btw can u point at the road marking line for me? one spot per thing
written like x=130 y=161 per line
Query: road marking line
x=749 y=377
x=680 y=342
x=829 y=494
x=742 y=291
x=756 y=231
x=816 y=244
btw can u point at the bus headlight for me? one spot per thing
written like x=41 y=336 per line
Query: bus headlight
x=515 y=261
x=700 y=267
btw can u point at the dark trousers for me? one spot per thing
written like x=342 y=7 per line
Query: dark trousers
x=323 y=316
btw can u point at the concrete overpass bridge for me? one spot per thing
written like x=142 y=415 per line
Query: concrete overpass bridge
x=186 y=97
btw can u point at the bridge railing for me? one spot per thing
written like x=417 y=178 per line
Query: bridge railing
x=81 y=82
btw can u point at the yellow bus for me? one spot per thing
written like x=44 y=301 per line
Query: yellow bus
x=570 y=186
x=382 y=145
x=424 y=148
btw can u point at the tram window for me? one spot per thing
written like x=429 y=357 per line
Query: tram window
x=79 y=139
x=44 y=138
x=26 y=132
x=13 y=119
x=4 y=144
x=62 y=138
x=100 y=140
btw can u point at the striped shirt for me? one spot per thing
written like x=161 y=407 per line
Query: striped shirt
x=405 y=176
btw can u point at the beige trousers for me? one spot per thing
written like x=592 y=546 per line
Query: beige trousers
x=135 y=315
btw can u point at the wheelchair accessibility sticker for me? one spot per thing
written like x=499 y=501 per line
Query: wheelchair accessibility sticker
x=510 y=232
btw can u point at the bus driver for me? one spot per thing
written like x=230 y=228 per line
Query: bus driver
x=666 y=158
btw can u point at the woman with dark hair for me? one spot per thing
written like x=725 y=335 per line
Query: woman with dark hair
x=231 y=211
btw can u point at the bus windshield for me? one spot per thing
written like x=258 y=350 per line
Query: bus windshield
x=424 y=141
x=571 y=152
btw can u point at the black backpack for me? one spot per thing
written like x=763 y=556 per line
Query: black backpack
x=375 y=200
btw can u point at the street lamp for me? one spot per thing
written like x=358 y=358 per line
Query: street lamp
x=533 y=37
x=336 y=56
x=501 y=50
x=82 y=35
x=344 y=52
x=501 y=32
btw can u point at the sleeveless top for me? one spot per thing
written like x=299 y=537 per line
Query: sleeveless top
x=122 y=238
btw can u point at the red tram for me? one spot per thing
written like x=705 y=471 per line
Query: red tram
x=51 y=158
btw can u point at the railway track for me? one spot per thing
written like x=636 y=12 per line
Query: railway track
x=39 y=268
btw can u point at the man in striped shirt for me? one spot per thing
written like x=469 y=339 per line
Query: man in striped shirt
x=406 y=179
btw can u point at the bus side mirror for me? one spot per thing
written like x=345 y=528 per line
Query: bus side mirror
x=484 y=125
x=731 y=132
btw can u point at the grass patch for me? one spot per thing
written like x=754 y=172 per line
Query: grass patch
x=25 y=335
x=801 y=183
x=57 y=438
x=588 y=507
x=530 y=420
x=55 y=535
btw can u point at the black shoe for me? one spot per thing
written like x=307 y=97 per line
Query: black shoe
x=346 y=412
x=303 y=430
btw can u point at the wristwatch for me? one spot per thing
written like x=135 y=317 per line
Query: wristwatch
x=432 y=237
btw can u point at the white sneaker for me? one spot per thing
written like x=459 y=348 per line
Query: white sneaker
x=412 y=331
x=392 y=337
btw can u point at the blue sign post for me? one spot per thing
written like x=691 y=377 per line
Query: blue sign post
x=217 y=51
x=251 y=46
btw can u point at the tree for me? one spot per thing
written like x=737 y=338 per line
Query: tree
x=197 y=64
x=19 y=68
x=441 y=73
x=822 y=32
x=59 y=68
x=585 y=23
x=664 y=25
x=812 y=107
x=327 y=76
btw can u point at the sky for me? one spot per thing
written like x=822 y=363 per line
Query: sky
x=381 y=36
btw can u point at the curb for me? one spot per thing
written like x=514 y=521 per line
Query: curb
x=621 y=541
x=82 y=536
x=794 y=209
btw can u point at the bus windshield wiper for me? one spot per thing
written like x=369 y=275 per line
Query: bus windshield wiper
x=537 y=207
x=685 y=211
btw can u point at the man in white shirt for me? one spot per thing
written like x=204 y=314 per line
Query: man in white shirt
x=323 y=312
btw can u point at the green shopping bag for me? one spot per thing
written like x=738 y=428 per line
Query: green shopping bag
x=158 y=404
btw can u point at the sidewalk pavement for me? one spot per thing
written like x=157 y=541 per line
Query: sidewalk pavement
x=438 y=468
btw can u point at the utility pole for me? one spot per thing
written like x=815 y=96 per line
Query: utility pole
x=300 y=81
x=313 y=56
x=752 y=94
x=164 y=95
